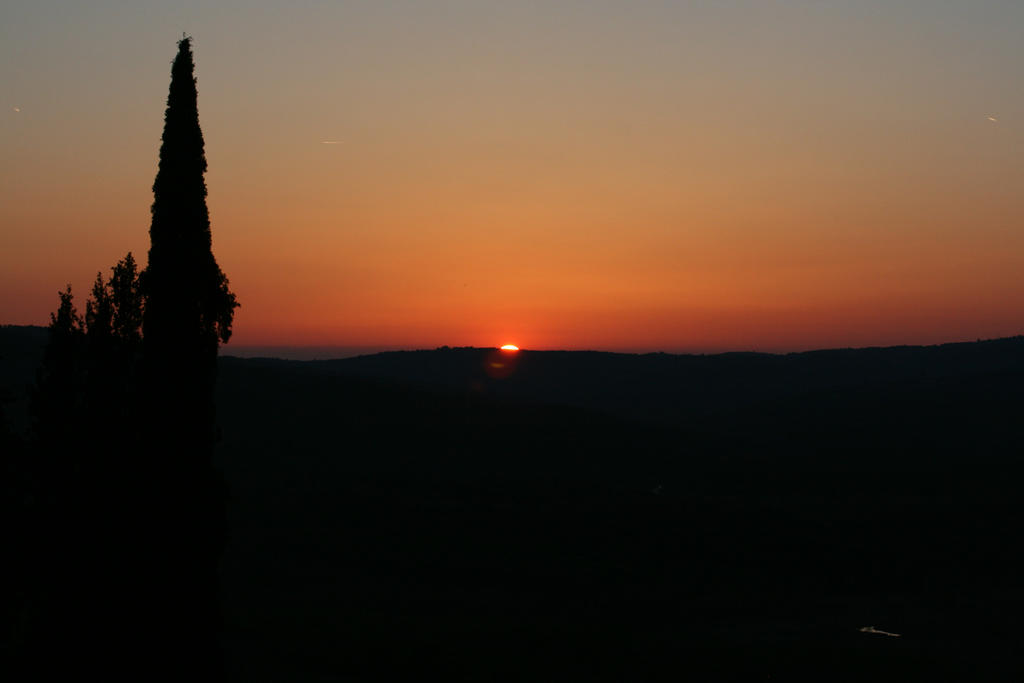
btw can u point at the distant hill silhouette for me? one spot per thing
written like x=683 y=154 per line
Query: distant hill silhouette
x=657 y=384
x=652 y=385
x=21 y=352
x=918 y=392
x=610 y=517
x=929 y=388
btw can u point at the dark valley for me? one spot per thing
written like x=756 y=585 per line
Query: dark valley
x=594 y=516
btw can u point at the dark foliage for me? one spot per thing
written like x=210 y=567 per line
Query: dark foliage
x=17 y=530
x=77 y=485
x=129 y=517
x=189 y=307
x=59 y=396
x=113 y=336
x=85 y=382
x=188 y=312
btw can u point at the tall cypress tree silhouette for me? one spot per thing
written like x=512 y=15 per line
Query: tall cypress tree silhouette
x=188 y=305
x=188 y=312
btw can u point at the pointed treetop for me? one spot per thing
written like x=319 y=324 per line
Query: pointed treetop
x=182 y=278
x=182 y=138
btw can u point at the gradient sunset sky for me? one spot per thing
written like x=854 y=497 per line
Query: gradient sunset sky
x=678 y=176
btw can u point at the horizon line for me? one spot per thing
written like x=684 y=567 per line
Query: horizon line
x=316 y=351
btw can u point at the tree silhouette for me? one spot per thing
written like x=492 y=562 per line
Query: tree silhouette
x=124 y=418
x=126 y=301
x=89 y=364
x=189 y=307
x=84 y=420
x=188 y=312
x=58 y=394
x=57 y=482
x=113 y=336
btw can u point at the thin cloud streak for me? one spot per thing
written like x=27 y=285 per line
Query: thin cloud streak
x=872 y=629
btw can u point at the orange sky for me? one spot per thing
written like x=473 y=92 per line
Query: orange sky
x=765 y=176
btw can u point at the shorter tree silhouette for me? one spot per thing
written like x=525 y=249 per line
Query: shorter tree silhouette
x=90 y=362
x=113 y=337
x=84 y=424
x=58 y=395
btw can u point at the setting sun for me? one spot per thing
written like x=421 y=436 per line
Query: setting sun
x=509 y=347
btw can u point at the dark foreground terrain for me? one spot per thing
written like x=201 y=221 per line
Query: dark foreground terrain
x=603 y=517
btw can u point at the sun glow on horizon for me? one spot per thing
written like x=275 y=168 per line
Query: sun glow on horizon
x=509 y=347
x=561 y=181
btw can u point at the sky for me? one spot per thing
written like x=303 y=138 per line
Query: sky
x=634 y=176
